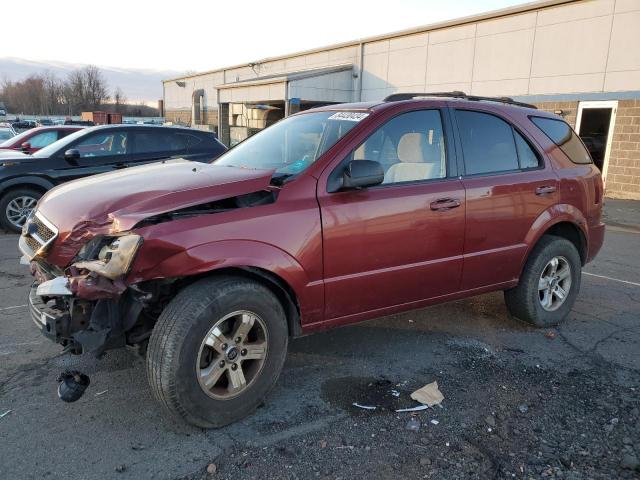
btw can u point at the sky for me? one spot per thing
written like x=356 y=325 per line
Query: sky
x=198 y=35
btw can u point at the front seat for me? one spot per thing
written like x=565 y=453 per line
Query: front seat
x=412 y=164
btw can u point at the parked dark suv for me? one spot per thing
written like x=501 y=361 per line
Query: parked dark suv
x=24 y=178
x=331 y=216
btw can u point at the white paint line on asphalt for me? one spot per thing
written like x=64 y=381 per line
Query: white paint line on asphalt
x=635 y=284
x=11 y=308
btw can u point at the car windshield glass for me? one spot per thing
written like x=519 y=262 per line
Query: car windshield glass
x=5 y=134
x=60 y=144
x=16 y=138
x=291 y=145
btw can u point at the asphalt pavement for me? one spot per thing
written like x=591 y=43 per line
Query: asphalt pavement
x=519 y=402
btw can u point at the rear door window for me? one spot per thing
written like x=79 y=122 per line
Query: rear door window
x=165 y=141
x=491 y=145
x=564 y=137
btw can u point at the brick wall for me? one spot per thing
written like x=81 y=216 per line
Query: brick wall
x=178 y=116
x=183 y=117
x=623 y=171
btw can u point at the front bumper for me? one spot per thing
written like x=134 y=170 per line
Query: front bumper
x=52 y=321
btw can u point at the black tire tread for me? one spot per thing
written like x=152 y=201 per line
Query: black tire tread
x=521 y=300
x=172 y=326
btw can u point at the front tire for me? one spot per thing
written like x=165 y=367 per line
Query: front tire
x=549 y=283
x=217 y=350
x=15 y=207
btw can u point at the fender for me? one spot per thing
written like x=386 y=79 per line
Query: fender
x=555 y=214
x=26 y=181
x=224 y=254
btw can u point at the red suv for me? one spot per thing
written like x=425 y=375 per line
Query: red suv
x=32 y=140
x=332 y=216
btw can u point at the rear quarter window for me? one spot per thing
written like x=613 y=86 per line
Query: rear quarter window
x=560 y=133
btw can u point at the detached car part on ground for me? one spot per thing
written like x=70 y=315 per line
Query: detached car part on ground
x=329 y=217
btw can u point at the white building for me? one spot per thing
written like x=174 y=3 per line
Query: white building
x=579 y=58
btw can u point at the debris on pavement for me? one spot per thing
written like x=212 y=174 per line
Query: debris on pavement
x=121 y=468
x=212 y=468
x=72 y=385
x=364 y=407
x=395 y=393
x=435 y=422
x=413 y=409
x=5 y=413
x=428 y=395
x=413 y=424
x=523 y=408
x=323 y=444
x=101 y=393
x=550 y=335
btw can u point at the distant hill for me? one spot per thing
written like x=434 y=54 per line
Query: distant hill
x=145 y=85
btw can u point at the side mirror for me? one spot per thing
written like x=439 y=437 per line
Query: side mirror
x=25 y=146
x=362 y=173
x=72 y=155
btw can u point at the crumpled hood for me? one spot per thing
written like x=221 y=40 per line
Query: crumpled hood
x=114 y=202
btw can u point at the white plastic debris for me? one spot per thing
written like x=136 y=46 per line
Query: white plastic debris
x=428 y=395
x=435 y=422
x=413 y=409
x=395 y=393
x=101 y=393
x=5 y=413
x=365 y=407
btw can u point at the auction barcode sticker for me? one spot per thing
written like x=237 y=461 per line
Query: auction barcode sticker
x=351 y=116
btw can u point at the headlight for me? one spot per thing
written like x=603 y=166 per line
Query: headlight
x=110 y=257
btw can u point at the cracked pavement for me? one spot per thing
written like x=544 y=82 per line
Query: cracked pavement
x=519 y=402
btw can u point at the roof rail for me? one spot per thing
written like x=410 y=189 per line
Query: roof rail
x=396 y=97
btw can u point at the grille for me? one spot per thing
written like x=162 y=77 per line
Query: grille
x=32 y=243
x=43 y=232
x=37 y=234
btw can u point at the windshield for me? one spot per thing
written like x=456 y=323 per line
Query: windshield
x=55 y=146
x=5 y=134
x=291 y=145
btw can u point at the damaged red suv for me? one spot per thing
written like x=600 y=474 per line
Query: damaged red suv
x=331 y=216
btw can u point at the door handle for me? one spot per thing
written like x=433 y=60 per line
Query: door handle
x=444 y=204
x=545 y=190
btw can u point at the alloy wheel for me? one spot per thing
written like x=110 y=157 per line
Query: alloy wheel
x=19 y=209
x=554 y=283
x=232 y=355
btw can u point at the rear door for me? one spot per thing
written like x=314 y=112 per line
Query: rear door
x=154 y=144
x=402 y=241
x=508 y=186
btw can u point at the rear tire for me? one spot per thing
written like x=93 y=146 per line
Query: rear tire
x=553 y=267
x=185 y=345
x=12 y=202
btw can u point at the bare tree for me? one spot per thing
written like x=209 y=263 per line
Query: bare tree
x=119 y=100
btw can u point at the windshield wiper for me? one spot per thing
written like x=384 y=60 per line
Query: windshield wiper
x=279 y=179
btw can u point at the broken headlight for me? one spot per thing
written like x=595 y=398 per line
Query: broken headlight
x=110 y=257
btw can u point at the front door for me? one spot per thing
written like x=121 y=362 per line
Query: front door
x=399 y=242
x=594 y=124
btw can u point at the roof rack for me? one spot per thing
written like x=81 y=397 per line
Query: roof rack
x=396 y=97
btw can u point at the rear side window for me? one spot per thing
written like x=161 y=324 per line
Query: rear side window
x=487 y=143
x=564 y=137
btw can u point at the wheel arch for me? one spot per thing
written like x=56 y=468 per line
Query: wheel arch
x=564 y=221
x=264 y=263
x=35 y=183
x=276 y=284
